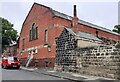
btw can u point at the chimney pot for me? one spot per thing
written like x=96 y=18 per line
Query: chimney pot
x=74 y=20
x=75 y=11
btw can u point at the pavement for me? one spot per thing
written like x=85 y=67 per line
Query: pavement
x=68 y=75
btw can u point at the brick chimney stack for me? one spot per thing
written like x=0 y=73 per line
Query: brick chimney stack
x=74 y=20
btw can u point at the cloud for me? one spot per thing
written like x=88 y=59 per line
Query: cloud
x=119 y=12
x=15 y=12
x=101 y=13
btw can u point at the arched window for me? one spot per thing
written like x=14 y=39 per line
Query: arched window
x=33 y=32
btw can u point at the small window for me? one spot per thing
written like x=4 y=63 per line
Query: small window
x=30 y=35
x=23 y=44
x=49 y=48
x=36 y=50
x=97 y=33
x=46 y=36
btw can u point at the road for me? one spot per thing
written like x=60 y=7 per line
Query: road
x=14 y=74
x=19 y=74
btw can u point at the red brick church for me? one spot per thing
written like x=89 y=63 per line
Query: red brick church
x=40 y=29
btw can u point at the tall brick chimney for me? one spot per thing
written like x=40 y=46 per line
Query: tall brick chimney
x=74 y=20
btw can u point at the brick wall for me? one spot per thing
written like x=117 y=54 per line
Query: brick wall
x=43 y=18
x=63 y=22
x=40 y=63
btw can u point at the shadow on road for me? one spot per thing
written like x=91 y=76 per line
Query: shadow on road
x=11 y=69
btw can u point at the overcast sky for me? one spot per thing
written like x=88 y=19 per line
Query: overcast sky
x=103 y=12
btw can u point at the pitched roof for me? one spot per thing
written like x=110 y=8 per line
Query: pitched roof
x=87 y=36
x=56 y=13
x=67 y=17
x=70 y=30
x=82 y=34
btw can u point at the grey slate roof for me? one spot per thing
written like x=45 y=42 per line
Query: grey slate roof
x=84 y=35
x=56 y=13
x=70 y=30
x=87 y=36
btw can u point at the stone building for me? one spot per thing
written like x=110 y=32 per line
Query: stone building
x=37 y=46
x=84 y=53
x=67 y=43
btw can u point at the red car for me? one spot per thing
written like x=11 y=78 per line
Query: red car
x=10 y=62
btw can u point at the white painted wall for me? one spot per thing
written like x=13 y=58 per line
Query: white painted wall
x=82 y=44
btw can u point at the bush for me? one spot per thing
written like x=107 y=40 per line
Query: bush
x=118 y=45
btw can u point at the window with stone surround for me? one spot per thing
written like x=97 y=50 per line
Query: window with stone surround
x=33 y=32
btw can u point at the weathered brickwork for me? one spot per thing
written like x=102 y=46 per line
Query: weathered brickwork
x=40 y=63
x=45 y=18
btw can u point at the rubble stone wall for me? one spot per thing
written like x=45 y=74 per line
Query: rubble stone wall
x=101 y=64
x=104 y=65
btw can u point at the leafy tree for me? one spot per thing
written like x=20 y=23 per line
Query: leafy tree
x=118 y=45
x=9 y=34
x=117 y=29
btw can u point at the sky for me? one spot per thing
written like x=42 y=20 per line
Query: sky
x=119 y=12
x=99 y=12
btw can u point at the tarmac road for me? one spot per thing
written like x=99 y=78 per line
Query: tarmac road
x=19 y=74
x=15 y=74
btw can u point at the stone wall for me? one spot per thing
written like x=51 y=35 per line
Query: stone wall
x=105 y=65
x=101 y=61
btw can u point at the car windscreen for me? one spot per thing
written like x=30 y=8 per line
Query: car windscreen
x=12 y=59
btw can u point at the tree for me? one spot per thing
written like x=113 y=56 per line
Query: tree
x=117 y=29
x=9 y=34
x=118 y=45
